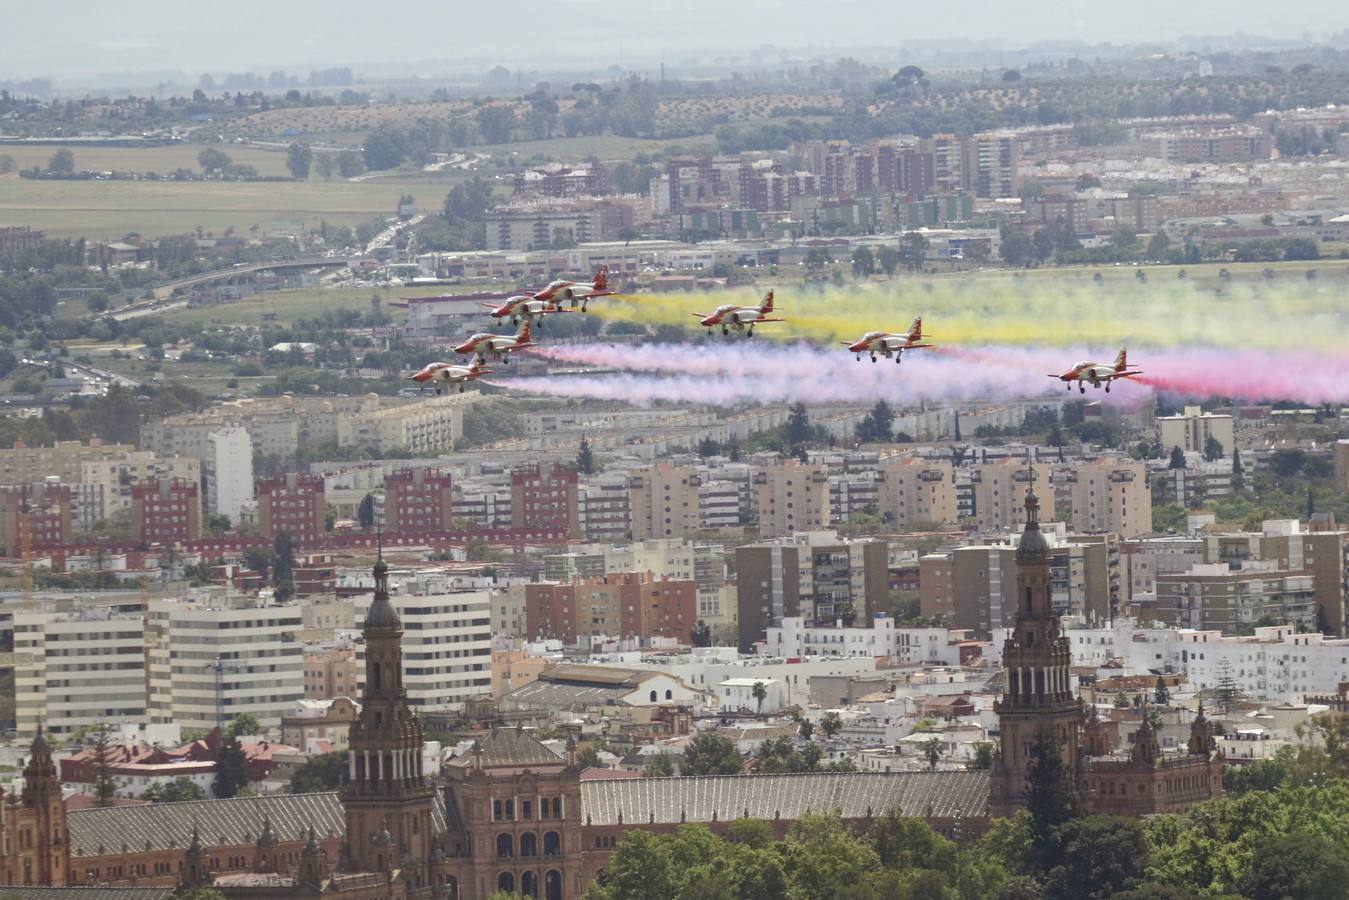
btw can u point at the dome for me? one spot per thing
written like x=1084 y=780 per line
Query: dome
x=1032 y=544
x=382 y=616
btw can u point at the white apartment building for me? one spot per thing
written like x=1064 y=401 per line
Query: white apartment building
x=228 y=468
x=1193 y=428
x=447 y=640
x=882 y=638
x=78 y=668
x=216 y=655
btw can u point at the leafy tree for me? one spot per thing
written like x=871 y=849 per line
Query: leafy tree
x=1099 y=856
x=585 y=459
x=325 y=772
x=1159 y=247
x=700 y=635
x=213 y=159
x=350 y=164
x=913 y=250
x=1238 y=472
x=283 y=565
x=984 y=754
x=1051 y=796
x=1305 y=866
x=887 y=259
x=711 y=754
x=1287 y=463
x=62 y=162
x=1177 y=458
x=383 y=149
x=588 y=756
x=831 y=723
x=806 y=729
x=298 y=160
x=863 y=262
x=760 y=693
x=1213 y=449
x=365 y=512
x=660 y=766
x=176 y=791
x=200 y=893
x=242 y=725
x=876 y=426
x=1160 y=695
x=798 y=430
x=231 y=770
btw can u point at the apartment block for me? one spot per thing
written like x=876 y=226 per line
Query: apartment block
x=228 y=472
x=664 y=501
x=423 y=426
x=546 y=498
x=999 y=490
x=43 y=508
x=1219 y=597
x=292 y=502
x=1192 y=429
x=330 y=673
x=1110 y=495
x=917 y=491
x=78 y=668
x=622 y=605
x=983 y=588
x=605 y=507
x=217 y=655
x=165 y=511
x=447 y=642
x=64 y=459
x=791 y=497
x=1342 y=465
x=418 y=500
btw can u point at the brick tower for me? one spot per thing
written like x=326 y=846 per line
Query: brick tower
x=388 y=798
x=42 y=850
x=1036 y=659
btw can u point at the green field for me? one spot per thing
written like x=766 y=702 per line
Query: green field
x=163 y=159
x=107 y=209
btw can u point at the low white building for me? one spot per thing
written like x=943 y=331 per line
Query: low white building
x=739 y=694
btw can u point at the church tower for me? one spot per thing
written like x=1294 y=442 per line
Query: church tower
x=46 y=858
x=1036 y=660
x=388 y=798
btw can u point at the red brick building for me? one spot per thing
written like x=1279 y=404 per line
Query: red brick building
x=546 y=499
x=294 y=502
x=165 y=511
x=417 y=500
x=48 y=509
x=623 y=605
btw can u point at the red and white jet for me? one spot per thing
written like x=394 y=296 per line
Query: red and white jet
x=523 y=306
x=738 y=317
x=572 y=291
x=499 y=345
x=888 y=344
x=439 y=373
x=1097 y=374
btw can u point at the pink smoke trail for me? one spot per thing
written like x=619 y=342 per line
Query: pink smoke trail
x=738 y=372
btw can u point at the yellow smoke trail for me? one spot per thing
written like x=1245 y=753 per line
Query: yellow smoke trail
x=1288 y=314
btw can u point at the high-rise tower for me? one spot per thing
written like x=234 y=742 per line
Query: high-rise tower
x=388 y=798
x=1036 y=659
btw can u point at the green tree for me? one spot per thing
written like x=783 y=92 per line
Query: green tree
x=887 y=258
x=913 y=249
x=1297 y=866
x=298 y=160
x=588 y=756
x=932 y=751
x=984 y=754
x=1159 y=247
x=798 y=430
x=105 y=783
x=1213 y=449
x=1177 y=458
x=1160 y=695
x=325 y=772
x=905 y=842
x=1051 y=796
x=585 y=459
x=760 y=693
x=1238 y=472
x=1099 y=856
x=700 y=635
x=711 y=754
x=243 y=725
x=863 y=263
x=231 y=770
x=176 y=791
x=283 y=565
x=365 y=512
x=659 y=766
x=806 y=729
x=822 y=855
x=831 y=723
x=213 y=159
x=62 y=162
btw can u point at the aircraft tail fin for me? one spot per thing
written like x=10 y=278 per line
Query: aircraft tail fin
x=1122 y=360
x=767 y=306
x=916 y=329
x=525 y=334
x=602 y=278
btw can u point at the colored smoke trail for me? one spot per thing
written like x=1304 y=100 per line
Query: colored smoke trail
x=1287 y=314
x=732 y=373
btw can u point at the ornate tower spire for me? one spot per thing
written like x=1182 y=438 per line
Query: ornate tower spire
x=42 y=795
x=196 y=870
x=388 y=798
x=1038 y=693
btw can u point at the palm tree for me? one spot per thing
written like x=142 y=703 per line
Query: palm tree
x=831 y=724
x=932 y=751
x=760 y=694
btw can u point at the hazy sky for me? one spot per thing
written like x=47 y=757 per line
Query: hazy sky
x=81 y=37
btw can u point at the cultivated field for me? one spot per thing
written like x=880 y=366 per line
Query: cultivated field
x=162 y=159
x=108 y=209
